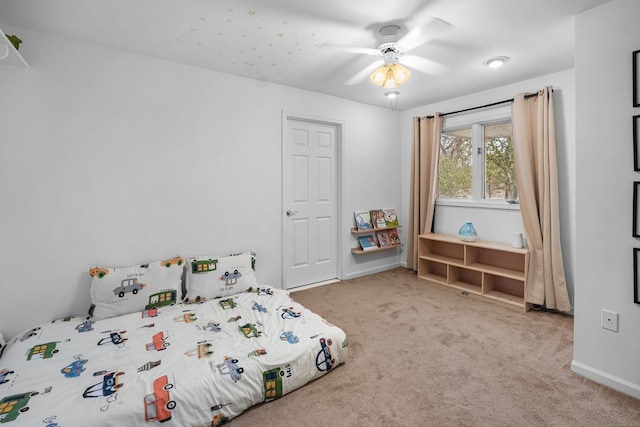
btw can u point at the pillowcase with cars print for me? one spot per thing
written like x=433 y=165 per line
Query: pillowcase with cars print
x=218 y=276
x=122 y=290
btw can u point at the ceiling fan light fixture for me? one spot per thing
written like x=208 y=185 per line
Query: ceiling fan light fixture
x=496 y=61
x=378 y=76
x=390 y=76
x=4 y=50
x=393 y=99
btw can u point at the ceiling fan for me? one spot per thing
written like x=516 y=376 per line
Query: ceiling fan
x=393 y=43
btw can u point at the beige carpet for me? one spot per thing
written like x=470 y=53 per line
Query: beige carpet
x=425 y=355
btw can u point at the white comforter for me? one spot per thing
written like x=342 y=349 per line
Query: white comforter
x=185 y=365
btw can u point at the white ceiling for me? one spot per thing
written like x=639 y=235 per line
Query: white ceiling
x=290 y=42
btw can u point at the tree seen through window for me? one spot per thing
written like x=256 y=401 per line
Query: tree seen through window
x=496 y=178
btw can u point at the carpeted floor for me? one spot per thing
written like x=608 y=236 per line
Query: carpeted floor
x=425 y=355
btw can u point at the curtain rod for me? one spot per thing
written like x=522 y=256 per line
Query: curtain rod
x=527 y=96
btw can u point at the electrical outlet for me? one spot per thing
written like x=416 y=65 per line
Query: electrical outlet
x=610 y=320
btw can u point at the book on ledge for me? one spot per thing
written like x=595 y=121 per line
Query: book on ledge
x=377 y=218
x=390 y=217
x=383 y=238
x=394 y=237
x=368 y=242
x=363 y=220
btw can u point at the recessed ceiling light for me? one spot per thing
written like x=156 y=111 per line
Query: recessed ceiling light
x=496 y=61
x=392 y=95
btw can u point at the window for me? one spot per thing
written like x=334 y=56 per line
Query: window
x=499 y=167
x=476 y=162
x=455 y=165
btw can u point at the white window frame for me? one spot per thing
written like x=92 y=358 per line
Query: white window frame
x=476 y=120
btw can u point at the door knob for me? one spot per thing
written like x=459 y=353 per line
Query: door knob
x=291 y=213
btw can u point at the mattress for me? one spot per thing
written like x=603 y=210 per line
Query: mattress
x=197 y=364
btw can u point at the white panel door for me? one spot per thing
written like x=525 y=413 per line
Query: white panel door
x=310 y=202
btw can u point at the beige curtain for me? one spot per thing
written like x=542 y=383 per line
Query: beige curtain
x=424 y=181
x=536 y=171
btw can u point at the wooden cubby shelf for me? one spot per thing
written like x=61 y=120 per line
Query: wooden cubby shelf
x=496 y=271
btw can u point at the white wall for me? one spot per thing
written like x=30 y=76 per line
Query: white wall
x=605 y=38
x=109 y=158
x=500 y=224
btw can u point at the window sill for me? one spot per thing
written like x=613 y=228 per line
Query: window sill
x=479 y=204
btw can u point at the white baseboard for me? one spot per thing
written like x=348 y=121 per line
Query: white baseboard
x=313 y=285
x=352 y=275
x=376 y=269
x=606 y=379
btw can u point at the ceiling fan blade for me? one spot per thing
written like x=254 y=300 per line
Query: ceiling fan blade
x=423 y=65
x=424 y=33
x=364 y=73
x=352 y=49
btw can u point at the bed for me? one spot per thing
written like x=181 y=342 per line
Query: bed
x=145 y=356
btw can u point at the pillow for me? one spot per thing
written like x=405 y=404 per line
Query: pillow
x=218 y=276
x=117 y=291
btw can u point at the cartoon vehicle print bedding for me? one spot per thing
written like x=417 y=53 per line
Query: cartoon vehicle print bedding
x=230 y=278
x=4 y=375
x=158 y=342
x=129 y=285
x=75 y=368
x=115 y=338
x=160 y=299
x=213 y=370
x=204 y=265
x=230 y=367
x=110 y=384
x=173 y=261
x=98 y=272
x=324 y=359
x=14 y=405
x=158 y=405
x=43 y=351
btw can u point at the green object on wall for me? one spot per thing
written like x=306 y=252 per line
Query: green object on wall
x=15 y=41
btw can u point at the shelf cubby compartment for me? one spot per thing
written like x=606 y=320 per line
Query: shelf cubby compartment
x=497 y=261
x=432 y=270
x=465 y=279
x=504 y=289
x=442 y=250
